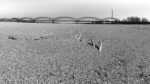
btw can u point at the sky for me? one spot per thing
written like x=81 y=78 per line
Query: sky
x=74 y=8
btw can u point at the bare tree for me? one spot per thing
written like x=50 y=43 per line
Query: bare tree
x=133 y=19
x=144 y=19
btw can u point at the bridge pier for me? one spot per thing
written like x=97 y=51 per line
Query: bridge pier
x=53 y=21
x=76 y=22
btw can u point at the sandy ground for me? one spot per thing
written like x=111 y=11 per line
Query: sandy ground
x=49 y=54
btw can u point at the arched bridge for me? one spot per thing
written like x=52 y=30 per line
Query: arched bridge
x=65 y=19
x=70 y=19
x=110 y=19
x=27 y=19
x=89 y=19
x=43 y=19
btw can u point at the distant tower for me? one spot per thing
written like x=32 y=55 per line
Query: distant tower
x=112 y=13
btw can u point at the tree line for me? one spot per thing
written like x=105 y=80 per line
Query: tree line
x=135 y=20
x=128 y=20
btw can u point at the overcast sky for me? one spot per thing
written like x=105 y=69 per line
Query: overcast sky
x=74 y=8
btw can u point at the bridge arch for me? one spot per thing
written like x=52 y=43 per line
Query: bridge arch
x=110 y=19
x=43 y=19
x=27 y=19
x=65 y=18
x=89 y=19
x=15 y=19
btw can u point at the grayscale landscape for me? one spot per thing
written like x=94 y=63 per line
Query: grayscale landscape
x=74 y=42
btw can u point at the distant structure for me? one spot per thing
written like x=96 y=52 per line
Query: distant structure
x=112 y=13
x=66 y=19
x=111 y=19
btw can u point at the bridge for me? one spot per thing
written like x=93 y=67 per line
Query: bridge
x=110 y=20
x=89 y=19
x=27 y=19
x=43 y=20
x=68 y=19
